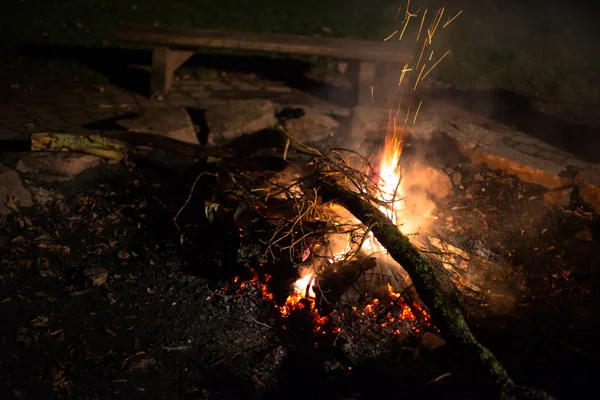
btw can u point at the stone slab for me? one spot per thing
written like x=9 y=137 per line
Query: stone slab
x=12 y=192
x=239 y=117
x=174 y=123
x=500 y=147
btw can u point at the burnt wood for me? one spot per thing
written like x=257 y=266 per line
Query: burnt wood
x=175 y=45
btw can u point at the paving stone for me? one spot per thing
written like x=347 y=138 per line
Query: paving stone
x=429 y=179
x=312 y=126
x=7 y=114
x=11 y=134
x=211 y=102
x=185 y=103
x=338 y=111
x=200 y=94
x=217 y=86
x=174 y=123
x=239 y=117
x=485 y=145
x=247 y=86
x=79 y=120
x=34 y=110
x=278 y=89
x=551 y=156
x=527 y=149
x=12 y=192
x=62 y=166
x=124 y=99
x=154 y=104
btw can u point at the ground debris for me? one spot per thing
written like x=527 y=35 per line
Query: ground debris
x=97 y=275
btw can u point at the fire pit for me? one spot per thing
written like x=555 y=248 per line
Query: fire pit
x=275 y=269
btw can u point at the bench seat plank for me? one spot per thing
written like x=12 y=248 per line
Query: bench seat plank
x=192 y=39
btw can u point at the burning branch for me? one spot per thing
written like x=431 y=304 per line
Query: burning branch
x=445 y=313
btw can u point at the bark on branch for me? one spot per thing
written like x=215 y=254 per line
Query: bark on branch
x=445 y=314
x=118 y=146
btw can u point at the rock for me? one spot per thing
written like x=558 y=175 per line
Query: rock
x=174 y=123
x=56 y=166
x=366 y=120
x=97 y=275
x=311 y=127
x=560 y=198
x=431 y=341
x=12 y=192
x=429 y=179
x=456 y=178
x=239 y=117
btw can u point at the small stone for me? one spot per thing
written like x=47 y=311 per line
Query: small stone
x=431 y=180
x=239 y=117
x=12 y=192
x=174 y=123
x=61 y=166
x=431 y=341
x=97 y=275
x=311 y=127
x=560 y=198
x=456 y=178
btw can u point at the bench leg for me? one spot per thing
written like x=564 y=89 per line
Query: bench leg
x=164 y=63
x=363 y=76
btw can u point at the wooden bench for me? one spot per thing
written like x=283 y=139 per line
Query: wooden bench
x=176 y=45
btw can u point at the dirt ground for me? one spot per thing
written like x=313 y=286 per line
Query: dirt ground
x=170 y=323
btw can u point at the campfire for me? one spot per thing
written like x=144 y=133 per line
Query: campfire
x=344 y=246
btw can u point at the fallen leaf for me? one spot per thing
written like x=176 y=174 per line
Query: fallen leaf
x=18 y=240
x=119 y=381
x=110 y=332
x=39 y=321
x=50 y=246
x=257 y=382
x=111 y=298
x=5 y=300
x=56 y=332
x=144 y=364
x=10 y=203
x=123 y=255
x=326 y=29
